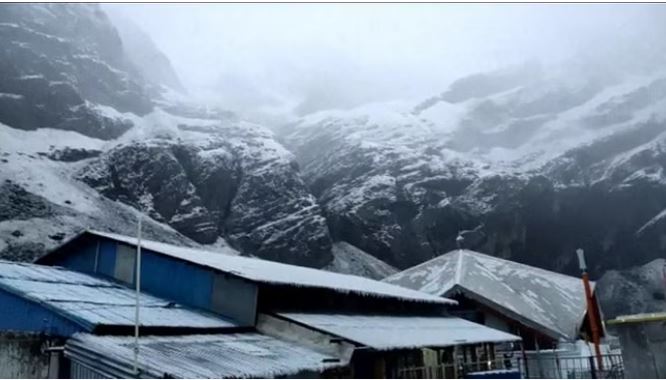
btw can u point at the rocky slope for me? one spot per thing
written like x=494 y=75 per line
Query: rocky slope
x=536 y=160
x=54 y=73
x=637 y=290
x=351 y=260
x=209 y=179
x=88 y=138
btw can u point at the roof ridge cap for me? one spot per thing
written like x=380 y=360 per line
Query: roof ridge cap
x=459 y=267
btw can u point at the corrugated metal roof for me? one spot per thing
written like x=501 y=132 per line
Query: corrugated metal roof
x=384 y=332
x=550 y=302
x=270 y=272
x=92 y=301
x=244 y=355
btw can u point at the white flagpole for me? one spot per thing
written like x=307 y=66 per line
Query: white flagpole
x=137 y=282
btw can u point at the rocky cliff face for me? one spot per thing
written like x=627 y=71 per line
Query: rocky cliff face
x=640 y=289
x=534 y=160
x=88 y=138
x=54 y=73
x=228 y=180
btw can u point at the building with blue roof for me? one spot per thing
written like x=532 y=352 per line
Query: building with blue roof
x=224 y=315
x=59 y=302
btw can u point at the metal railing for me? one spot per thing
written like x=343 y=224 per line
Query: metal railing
x=572 y=367
x=462 y=370
x=545 y=367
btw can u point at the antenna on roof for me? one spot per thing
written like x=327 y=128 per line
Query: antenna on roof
x=460 y=240
x=137 y=282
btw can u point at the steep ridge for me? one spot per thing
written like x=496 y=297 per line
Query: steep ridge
x=536 y=160
x=89 y=141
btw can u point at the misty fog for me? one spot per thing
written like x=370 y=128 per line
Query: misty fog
x=308 y=57
x=364 y=139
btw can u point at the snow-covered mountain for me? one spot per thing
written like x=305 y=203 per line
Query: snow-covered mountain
x=537 y=160
x=87 y=139
x=534 y=160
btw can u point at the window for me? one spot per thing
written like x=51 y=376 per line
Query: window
x=125 y=263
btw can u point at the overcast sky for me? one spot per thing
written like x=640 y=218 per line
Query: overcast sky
x=341 y=55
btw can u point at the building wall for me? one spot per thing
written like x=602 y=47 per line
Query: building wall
x=20 y=314
x=477 y=312
x=21 y=356
x=643 y=349
x=167 y=277
x=310 y=337
x=91 y=257
x=80 y=371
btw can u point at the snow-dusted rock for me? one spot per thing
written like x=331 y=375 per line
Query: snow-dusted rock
x=641 y=289
x=546 y=159
x=348 y=259
x=211 y=178
x=91 y=135
x=53 y=71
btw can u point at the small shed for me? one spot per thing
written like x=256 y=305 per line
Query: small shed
x=643 y=341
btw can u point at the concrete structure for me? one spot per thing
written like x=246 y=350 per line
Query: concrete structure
x=21 y=356
x=643 y=341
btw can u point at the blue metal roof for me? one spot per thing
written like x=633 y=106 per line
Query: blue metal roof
x=266 y=272
x=91 y=302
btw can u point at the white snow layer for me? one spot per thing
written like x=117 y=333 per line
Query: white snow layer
x=552 y=302
x=243 y=355
x=264 y=271
x=659 y=217
x=383 y=332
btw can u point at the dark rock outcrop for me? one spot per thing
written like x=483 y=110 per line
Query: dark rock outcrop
x=52 y=71
x=637 y=290
x=199 y=170
x=240 y=185
x=544 y=164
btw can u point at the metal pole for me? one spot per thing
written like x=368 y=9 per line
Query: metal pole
x=591 y=310
x=137 y=282
x=663 y=273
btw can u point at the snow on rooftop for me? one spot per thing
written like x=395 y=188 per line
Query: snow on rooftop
x=384 y=332
x=270 y=272
x=552 y=302
x=94 y=301
x=246 y=355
